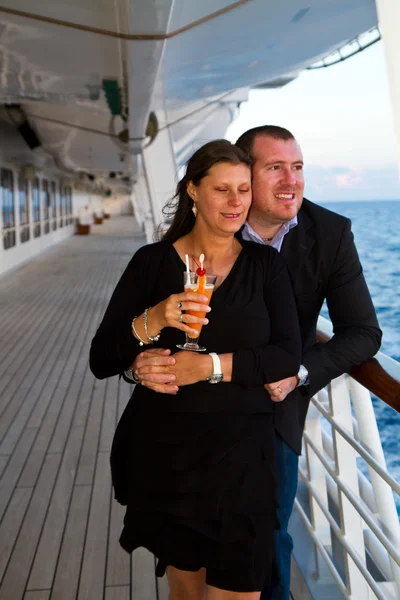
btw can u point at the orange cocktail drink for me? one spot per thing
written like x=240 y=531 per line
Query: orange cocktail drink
x=199 y=284
x=208 y=290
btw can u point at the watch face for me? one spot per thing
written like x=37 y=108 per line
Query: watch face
x=216 y=378
x=302 y=375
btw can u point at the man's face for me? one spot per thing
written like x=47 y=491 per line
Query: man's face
x=278 y=180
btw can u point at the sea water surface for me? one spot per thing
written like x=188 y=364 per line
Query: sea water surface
x=376 y=228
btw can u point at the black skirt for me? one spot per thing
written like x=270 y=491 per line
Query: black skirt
x=201 y=493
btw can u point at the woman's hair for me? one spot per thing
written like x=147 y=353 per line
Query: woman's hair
x=179 y=208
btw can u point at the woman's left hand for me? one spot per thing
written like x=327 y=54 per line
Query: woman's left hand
x=189 y=368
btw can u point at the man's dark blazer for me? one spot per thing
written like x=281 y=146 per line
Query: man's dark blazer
x=324 y=264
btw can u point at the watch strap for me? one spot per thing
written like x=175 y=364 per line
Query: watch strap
x=217 y=369
x=217 y=375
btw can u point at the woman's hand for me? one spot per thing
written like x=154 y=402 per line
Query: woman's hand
x=191 y=367
x=168 y=313
x=160 y=372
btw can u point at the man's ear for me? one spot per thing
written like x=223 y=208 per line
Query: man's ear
x=191 y=190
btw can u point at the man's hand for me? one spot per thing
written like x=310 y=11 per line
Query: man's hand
x=159 y=371
x=153 y=368
x=280 y=389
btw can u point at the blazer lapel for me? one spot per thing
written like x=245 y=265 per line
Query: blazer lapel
x=297 y=244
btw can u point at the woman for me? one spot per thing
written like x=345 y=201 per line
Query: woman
x=196 y=469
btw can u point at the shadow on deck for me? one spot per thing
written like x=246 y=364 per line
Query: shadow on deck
x=59 y=527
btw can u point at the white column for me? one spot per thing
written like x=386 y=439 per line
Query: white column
x=160 y=170
x=138 y=209
x=389 y=23
x=142 y=198
x=30 y=203
x=16 y=208
x=41 y=208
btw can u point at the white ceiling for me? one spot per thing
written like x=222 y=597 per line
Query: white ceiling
x=55 y=69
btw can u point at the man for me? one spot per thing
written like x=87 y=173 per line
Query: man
x=323 y=264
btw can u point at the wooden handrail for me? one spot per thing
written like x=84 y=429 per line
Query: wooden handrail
x=380 y=375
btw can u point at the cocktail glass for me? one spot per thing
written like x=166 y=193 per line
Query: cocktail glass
x=191 y=284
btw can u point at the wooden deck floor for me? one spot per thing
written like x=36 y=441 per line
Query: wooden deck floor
x=59 y=527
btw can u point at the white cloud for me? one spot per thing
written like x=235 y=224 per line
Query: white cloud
x=348 y=180
x=341 y=183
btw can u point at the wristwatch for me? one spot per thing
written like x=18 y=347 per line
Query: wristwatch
x=217 y=375
x=302 y=376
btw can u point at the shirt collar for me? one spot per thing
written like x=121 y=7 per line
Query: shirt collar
x=248 y=233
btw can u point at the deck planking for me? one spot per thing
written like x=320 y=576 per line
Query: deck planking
x=59 y=525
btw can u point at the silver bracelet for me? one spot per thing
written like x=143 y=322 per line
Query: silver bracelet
x=154 y=338
x=137 y=336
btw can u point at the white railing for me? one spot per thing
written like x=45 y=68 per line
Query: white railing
x=346 y=509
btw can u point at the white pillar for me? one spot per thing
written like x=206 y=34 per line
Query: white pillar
x=41 y=212
x=389 y=23
x=30 y=207
x=138 y=208
x=142 y=198
x=160 y=169
x=16 y=208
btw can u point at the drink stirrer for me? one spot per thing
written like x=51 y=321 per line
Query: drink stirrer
x=187 y=270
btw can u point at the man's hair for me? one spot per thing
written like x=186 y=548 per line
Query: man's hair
x=247 y=139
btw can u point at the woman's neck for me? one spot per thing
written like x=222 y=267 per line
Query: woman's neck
x=217 y=249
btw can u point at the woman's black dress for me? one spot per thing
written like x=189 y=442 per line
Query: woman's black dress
x=196 y=469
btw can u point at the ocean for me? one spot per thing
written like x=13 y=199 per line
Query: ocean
x=376 y=228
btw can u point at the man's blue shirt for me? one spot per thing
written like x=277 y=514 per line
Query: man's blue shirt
x=250 y=235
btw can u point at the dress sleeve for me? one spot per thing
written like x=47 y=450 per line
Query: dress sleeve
x=114 y=346
x=281 y=357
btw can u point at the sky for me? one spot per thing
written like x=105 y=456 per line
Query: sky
x=342 y=118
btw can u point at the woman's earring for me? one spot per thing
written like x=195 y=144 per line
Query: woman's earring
x=194 y=209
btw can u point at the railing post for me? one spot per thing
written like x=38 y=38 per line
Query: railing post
x=351 y=524
x=370 y=438
x=316 y=473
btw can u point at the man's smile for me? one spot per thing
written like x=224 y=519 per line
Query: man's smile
x=285 y=196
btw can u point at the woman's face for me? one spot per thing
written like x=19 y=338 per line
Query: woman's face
x=223 y=197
